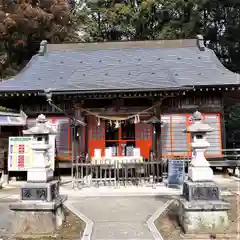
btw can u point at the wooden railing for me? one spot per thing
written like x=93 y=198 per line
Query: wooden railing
x=145 y=173
x=231 y=154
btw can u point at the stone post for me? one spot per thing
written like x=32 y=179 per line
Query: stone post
x=200 y=208
x=40 y=209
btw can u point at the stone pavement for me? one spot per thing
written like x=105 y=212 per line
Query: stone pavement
x=129 y=191
x=119 y=217
x=229 y=182
x=116 y=213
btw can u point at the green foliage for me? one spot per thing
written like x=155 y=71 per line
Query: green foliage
x=217 y=20
x=24 y=23
x=143 y=19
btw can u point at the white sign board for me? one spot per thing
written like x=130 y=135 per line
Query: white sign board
x=20 y=154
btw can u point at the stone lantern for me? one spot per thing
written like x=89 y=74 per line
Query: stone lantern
x=199 y=169
x=40 y=209
x=201 y=209
x=40 y=171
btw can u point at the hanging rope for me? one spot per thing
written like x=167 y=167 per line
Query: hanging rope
x=60 y=110
x=117 y=118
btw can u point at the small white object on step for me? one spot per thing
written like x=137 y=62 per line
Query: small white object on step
x=237 y=172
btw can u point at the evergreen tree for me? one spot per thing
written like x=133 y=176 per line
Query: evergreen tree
x=25 y=23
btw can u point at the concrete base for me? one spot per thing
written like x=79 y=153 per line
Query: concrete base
x=200 y=173
x=203 y=216
x=37 y=217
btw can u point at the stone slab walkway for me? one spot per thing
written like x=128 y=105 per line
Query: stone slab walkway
x=121 y=191
x=119 y=217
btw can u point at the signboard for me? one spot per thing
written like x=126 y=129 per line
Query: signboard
x=176 y=173
x=20 y=154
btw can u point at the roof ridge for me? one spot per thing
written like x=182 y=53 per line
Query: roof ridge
x=178 y=43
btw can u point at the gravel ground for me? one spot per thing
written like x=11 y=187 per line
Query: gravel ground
x=72 y=228
x=167 y=224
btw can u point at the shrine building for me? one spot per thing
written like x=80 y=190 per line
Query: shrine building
x=124 y=96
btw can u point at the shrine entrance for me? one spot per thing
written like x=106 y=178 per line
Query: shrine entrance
x=122 y=138
x=120 y=154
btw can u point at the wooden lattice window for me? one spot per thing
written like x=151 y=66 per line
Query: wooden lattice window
x=177 y=143
x=63 y=137
x=144 y=138
x=96 y=135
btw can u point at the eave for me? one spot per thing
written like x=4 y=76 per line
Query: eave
x=126 y=93
x=12 y=119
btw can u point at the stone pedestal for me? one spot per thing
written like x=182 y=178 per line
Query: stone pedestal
x=37 y=217
x=203 y=216
x=201 y=191
x=200 y=173
x=40 y=191
x=40 y=210
x=201 y=210
x=40 y=174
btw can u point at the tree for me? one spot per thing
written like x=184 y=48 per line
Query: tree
x=222 y=25
x=25 y=23
x=217 y=20
x=143 y=19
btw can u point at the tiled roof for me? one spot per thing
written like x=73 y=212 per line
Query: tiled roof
x=122 y=67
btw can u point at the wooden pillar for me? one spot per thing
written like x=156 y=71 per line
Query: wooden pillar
x=156 y=136
x=75 y=140
x=85 y=139
x=78 y=140
x=158 y=144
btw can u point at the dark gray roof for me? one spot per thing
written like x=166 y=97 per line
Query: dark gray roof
x=121 y=69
